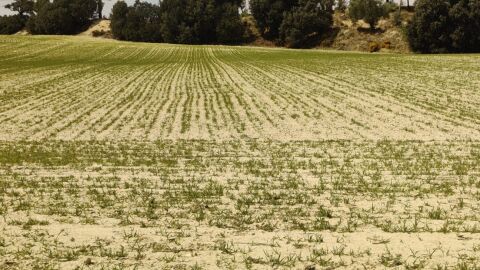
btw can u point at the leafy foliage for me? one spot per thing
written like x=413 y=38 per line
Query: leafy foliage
x=341 y=5
x=269 y=15
x=445 y=26
x=293 y=23
x=137 y=23
x=368 y=10
x=230 y=28
x=304 y=25
x=62 y=16
x=23 y=7
x=11 y=24
x=179 y=21
x=465 y=18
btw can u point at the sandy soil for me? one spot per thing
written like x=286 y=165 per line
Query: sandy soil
x=118 y=155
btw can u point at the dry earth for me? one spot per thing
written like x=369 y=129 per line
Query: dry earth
x=101 y=27
x=117 y=155
x=357 y=36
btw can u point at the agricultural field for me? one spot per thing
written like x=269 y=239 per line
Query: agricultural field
x=117 y=155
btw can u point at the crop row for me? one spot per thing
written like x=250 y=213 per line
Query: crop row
x=74 y=89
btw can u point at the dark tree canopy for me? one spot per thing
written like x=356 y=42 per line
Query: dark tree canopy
x=294 y=23
x=465 y=19
x=179 y=21
x=62 y=17
x=269 y=15
x=441 y=26
x=305 y=23
x=118 y=20
x=11 y=24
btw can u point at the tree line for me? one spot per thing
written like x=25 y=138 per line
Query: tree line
x=441 y=26
x=179 y=21
x=57 y=17
x=437 y=25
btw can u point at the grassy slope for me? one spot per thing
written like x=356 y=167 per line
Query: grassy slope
x=121 y=154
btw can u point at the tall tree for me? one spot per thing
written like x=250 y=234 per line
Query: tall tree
x=13 y=24
x=304 y=24
x=440 y=26
x=100 y=6
x=119 y=19
x=23 y=7
x=61 y=17
x=269 y=15
x=465 y=20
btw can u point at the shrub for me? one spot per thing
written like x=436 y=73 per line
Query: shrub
x=304 y=25
x=374 y=46
x=99 y=33
x=390 y=7
x=386 y=45
x=397 y=18
x=251 y=32
x=368 y=10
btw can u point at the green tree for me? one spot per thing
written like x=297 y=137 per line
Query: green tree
x=11 y=24
x=23 y=7
x=100 y=6
x=201 y=21
x=440 y=26
x=61 y=17
x=39 y=5
x=269 y=15
x=171 y=12
x=118 y=21
x=429 y=31
x=464 y=16
x=179 y=21
x=305 y=24
x=230 y=29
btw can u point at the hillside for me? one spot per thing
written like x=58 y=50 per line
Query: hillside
x=349 y=36
x=99 y=28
